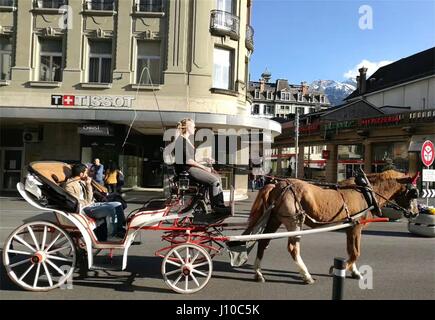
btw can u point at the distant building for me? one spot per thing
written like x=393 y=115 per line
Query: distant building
x=283 y=100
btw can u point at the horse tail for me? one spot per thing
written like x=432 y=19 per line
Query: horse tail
x=259 y=205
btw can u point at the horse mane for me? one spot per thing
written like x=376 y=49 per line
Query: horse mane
x=259 y=205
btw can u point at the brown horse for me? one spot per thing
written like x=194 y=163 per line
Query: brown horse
x=321 y=206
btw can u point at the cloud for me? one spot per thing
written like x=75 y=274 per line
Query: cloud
x=371 y=66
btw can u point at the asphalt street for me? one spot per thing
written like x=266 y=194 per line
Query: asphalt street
x=403 y=266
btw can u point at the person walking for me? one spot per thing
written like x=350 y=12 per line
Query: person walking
x=110 y=178
x=97 y=171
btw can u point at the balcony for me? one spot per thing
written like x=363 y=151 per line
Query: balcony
x=249 y=41
x=224 y=23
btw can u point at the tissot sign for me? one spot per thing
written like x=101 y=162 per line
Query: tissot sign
x=92 y=101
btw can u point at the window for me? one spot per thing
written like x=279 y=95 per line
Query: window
x=150 y=5
x=225 y=5
x=5 y=58
x=6 y=3
x=269 y=95
x=100 y=61
x=256 y=109
x=107 y=5
x=222 y=69
x=50 y=4
x=269 y=110
x=257 y=94
x=148 y=62
x=50 y=64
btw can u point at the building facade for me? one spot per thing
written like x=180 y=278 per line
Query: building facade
x=283 y=100
x=95 y=78
x=372 y=136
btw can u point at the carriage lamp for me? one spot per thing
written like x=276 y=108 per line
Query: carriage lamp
x=183 y=182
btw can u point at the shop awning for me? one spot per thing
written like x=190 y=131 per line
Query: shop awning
x=417 y=142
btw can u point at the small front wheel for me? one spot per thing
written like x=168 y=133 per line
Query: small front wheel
x=187 y=268
x=39 y=256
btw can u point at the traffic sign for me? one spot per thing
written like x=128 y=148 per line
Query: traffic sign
x=428 y=193
x=429 y=175
x=427 y=153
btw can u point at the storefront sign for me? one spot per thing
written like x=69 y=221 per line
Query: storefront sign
x=92 y=101
x=380 y=120
x=428 y=175
x=94 y=130
x=427 y=153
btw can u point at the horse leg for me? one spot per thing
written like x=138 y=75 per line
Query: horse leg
x=294 y=248
x=272 y=225
x=354 y=250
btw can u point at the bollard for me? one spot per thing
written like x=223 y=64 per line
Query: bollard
x=339 y=274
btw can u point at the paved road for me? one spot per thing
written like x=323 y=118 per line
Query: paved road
x=403 y=267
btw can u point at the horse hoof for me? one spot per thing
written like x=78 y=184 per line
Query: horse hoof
x=259 y=278
x=357 y=276
x=309 y=281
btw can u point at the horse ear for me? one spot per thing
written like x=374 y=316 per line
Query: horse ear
x=414 y=179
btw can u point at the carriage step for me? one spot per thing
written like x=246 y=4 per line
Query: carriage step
x=106 y=267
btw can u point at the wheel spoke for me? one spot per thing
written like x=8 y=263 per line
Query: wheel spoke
x=33 y=237
x=19 y=263
x=186 y=282
x=24 y=242
x=27 y=271
x=194 y=279
x=178 y=279
x=173 y=263
x=199 y=272
x=55 y=267
x=200 y=264
x=50 y=281
x=44 y=238
x=172 y=272
x=195 y=257
x=36 y=275
x=58 y=249
x=51 y=244
x=179 y=257
x=20 y=252
x=58 y=258
x=187 y=255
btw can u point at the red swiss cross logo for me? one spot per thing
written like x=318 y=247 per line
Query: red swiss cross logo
x=68 y=101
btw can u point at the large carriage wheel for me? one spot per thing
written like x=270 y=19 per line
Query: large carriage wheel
x=187 y=268
x=39 y=256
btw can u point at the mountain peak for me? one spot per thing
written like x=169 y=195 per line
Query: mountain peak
x=336 y=91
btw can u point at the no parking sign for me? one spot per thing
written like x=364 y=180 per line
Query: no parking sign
x=427 y=153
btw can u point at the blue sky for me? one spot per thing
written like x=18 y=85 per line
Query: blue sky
x=312 y=39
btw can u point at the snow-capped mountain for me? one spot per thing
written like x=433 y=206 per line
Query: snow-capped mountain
x=335 y=91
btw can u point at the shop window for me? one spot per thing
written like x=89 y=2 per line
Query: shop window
x=387 y=156
x=222 y=69
x=148 y=63
x=100 y=61
x=50 y=65
x=5 y=58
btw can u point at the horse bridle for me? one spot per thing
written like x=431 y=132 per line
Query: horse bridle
x=414 y=195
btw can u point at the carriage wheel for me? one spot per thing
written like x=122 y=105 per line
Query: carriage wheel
x=187 y=268
x=39 y=256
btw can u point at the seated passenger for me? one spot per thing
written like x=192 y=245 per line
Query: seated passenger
x=185 y=161
x=79 y=186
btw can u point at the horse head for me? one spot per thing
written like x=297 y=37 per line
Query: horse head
x=407 y=195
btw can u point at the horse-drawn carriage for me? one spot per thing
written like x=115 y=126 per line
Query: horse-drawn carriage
x=43 y=255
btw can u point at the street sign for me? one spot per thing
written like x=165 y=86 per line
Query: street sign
x=427 y=153
x=429 y=175
x=428 y=193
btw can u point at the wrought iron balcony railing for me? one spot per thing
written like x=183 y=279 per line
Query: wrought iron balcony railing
x=224 y=23
x=249 y=42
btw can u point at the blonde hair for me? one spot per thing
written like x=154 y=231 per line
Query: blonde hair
x=182 y=126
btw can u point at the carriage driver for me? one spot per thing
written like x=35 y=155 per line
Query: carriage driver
x=79 y=186
x=185 y=161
